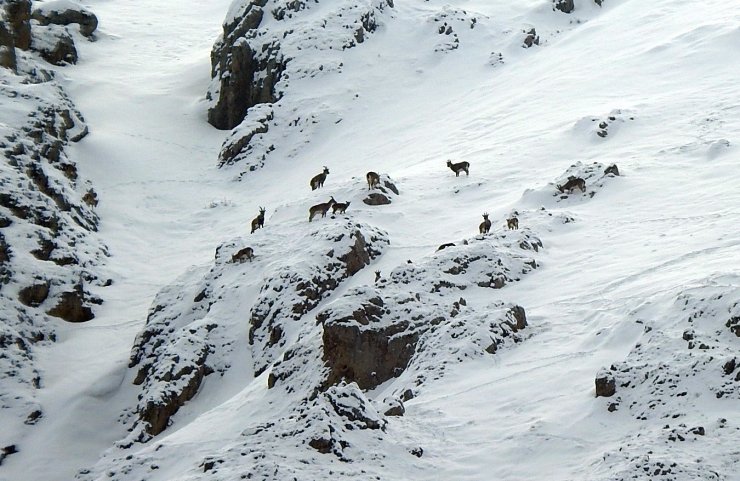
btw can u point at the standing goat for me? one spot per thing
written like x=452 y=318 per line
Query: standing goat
x=485 y=226
x=512 y=223
x=339 y=207
x=245 y=254
x=318 y=179
x=259 y=221
x=322 y=209
x=373 y=180
x=572 y=183
x=459 y=167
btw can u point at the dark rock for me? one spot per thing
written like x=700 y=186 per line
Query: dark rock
x=688 y=335
x=606 y=385
x=7 y=451
x=394 y=407
x=376 y=199
x=64 y=15
x=565 y=6
x=390 y=185
x=598 y=2
x=34 y=417
x=247 y=78
x=368 y=357
x=729 y=366
x=407 y=395
x=34 y=295
x=612 y=169
x=699 y=431
x=18 y=15
x=531 y=39
x=734 y=324
x=7 y=48
x=71 y=307
x=418 y=452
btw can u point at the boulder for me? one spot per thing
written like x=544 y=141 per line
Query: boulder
x=66 y=13
x=606 y=385
x=55 y=44
x=34 y=295
x=565 y=6
x=375 y=198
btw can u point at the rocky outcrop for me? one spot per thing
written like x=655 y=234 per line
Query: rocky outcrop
x=253 y=65
x=686 y=353
x=186 y=336
x=374 y=333
x=49 y=249
x=290 y=293
x=64 y=12
x=55 y=44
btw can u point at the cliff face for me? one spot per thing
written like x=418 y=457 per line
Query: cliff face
x=49 y=248
x=261 y=53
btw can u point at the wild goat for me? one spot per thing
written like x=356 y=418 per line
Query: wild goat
x=459 y=167
x=512 y=223
x=485 y=226
x=445 y=246
x=318 y=179
x=373 y=180
x=341 y=208
x=245 y=254
x=259 y=221
x=322 y=208
x=572 y=183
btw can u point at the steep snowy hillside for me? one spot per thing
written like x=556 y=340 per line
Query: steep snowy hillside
x=590 y=331
x=50 y=252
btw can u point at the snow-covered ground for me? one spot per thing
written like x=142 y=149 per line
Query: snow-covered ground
x=660 y=75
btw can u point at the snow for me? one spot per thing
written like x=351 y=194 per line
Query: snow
x=403 y=102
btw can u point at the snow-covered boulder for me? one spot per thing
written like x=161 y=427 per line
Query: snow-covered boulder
x=65 y=12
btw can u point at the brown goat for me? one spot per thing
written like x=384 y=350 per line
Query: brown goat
x=318 y=179
x=373 y=180
x=572 y=183
x=322 y=209
x=512 y=223
x=259 y=221
x=341 y=208
x=485 y=226
x=245 y=254
x=459 y=167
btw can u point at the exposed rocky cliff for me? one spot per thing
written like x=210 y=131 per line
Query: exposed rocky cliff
x=49 y=249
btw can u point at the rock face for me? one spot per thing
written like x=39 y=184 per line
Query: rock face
x=18 y=16
x=183 y=342
x=252 y=65
x=49 y=249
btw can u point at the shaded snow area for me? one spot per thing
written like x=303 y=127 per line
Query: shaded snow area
x=542 y=284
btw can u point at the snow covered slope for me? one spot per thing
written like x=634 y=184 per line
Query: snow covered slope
x=597 y=341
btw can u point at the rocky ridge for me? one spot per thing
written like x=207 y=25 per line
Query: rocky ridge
x=49 y=249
